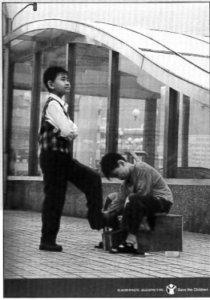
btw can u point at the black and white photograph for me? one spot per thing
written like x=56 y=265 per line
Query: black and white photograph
x=105 y=152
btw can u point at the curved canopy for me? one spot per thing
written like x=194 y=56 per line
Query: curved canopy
x=164 y=58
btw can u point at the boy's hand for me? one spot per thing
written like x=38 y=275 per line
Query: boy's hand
x=71 y=136
x=74 y=134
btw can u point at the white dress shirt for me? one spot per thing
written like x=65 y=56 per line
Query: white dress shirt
x=56 y=116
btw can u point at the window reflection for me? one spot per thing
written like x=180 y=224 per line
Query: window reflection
x=194 y=141
x=91 y=91
x=199 y=134
x=142 y=108
x=19 y=146
x=90 y=117
x=137 y=119
x=131 y=126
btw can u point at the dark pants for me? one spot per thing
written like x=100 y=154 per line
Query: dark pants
x=58 y=168
x=142 y=206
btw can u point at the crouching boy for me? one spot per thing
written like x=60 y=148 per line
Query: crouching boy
x=143 y=193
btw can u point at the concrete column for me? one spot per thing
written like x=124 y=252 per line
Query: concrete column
x=8 y=72
x=71 y=67
x=35 y=115
x=185 y=131
x=113 y=103
x=170 y=161
x=149 y=130
x=160 y=125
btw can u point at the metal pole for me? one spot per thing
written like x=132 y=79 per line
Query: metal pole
x=34 y=9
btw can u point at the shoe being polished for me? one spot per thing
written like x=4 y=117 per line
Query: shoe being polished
x=124 y=248
x=99 y=246
x=50 y=247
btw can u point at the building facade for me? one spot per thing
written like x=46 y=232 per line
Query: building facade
x=131 y=90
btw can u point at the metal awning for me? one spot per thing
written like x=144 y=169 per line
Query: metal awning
x=163 y=58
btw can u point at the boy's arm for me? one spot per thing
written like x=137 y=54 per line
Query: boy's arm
x=60 y=121
x=143 y=183
x=118 y=203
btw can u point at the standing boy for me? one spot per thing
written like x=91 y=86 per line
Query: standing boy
x=143 y=192
x=58 y=166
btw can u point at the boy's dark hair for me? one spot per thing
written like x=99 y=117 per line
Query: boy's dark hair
x=51 y=73
x=109 y=162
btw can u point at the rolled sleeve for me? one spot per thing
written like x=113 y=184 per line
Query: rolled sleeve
x=144 y=184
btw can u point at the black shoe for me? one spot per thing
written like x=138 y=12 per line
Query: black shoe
x=50 y=247
x=99 y=246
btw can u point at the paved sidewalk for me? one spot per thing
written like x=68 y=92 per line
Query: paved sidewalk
x=80 y=259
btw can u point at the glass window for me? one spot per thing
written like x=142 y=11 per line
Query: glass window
x=199 y=134
x=137 y=113
x=143 y=101
x=91 y=88
x=22 y=86
x=131 y=126
x=141 y=114
x=194 y=138
x=19 y=146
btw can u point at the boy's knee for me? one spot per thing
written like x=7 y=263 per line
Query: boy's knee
x=133 y=198
x=107 y=202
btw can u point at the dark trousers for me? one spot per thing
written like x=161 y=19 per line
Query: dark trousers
x=142 y=206
x=58 y=168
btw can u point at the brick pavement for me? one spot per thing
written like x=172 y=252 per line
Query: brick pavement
x=80 y=259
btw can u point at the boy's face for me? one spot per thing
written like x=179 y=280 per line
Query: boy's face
x=122 y=172
x=61 y=85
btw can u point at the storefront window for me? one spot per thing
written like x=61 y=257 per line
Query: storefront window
x=194 y=138
x=91 y=90
x=137 y=114
x=142 y=107
x=19 y=146
x=142 y=124
x=131 y=126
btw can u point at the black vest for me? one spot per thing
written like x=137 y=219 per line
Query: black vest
x=49 y=136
